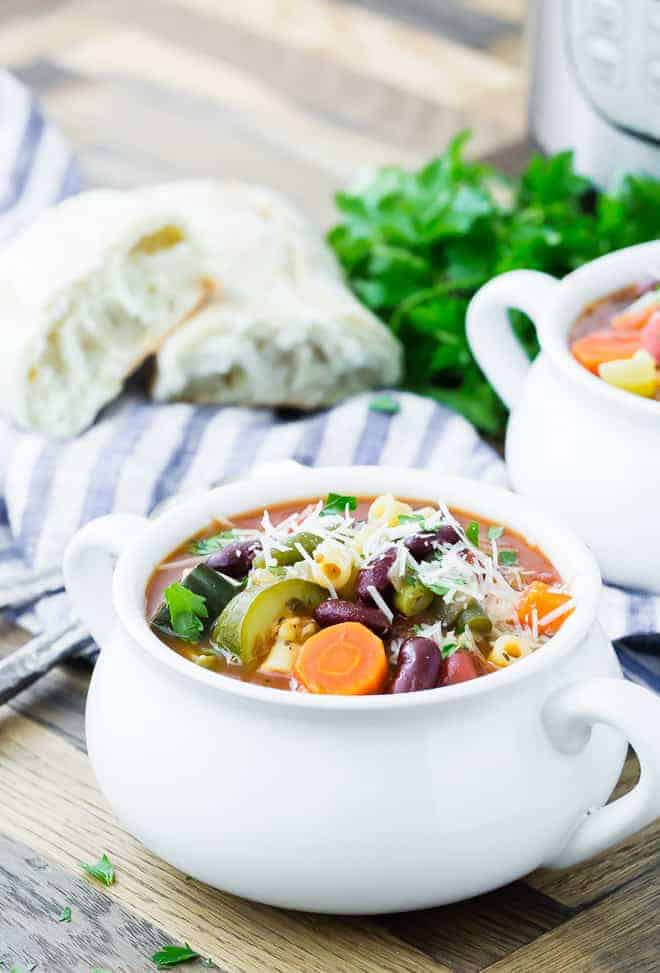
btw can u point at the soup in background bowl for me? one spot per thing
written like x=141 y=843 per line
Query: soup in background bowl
x=357 y=803
x=617 y=338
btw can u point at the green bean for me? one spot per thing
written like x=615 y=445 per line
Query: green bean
x=289 y=553
x=412 y=598
x=475 y=618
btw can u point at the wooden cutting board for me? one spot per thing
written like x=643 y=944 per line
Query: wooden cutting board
x=300 y=94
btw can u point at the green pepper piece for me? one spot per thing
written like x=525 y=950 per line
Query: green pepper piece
x=212 y=586
x=412 y=598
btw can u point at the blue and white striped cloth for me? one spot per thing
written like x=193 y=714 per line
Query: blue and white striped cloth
x=138 y=454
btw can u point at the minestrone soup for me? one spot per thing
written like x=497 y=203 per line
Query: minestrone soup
x=354 y=596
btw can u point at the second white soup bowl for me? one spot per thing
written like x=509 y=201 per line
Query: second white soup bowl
x=358 y=804
x=578 y=446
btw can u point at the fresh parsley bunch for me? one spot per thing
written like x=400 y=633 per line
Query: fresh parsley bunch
x=415 y=246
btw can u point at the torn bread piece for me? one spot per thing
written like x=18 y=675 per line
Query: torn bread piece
x=253 y=237
x=304 y=348
x=87 y=292
x=283 y=329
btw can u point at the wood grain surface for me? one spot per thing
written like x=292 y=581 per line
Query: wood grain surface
x=300 y=94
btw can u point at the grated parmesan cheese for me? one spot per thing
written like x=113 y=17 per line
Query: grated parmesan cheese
x=381 y=603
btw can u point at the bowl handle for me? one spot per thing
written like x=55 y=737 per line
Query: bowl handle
x=494 y=345
x=89 y=564
x=568 y=716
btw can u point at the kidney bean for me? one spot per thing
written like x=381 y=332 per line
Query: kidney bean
x=459 y=667
x=375 y=574
x=418 y=666
x=235 y=560
x=334 y=611
x=423 y=545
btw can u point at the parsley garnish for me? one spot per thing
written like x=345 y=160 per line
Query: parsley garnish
x=472 y=533
x=448 y=649
x=336 y=503
x=186 y=611
x=507 y=557
x=415 y=246
x=103 y=870
x=173 y=955
x=65 y=914
x=494 y=533
x=384 y=403
x=207 y=545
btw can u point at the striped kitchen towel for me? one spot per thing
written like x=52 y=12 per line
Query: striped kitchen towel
x=138 y=454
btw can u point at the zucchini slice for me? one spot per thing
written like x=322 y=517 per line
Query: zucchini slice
x=214 y=587
x=246 y=625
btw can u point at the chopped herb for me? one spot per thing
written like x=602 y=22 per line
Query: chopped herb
x=336 y=503
x=186 y=611
x=173 y=955
x=494 y=533
x=437 y=589
x=411 y=518
x=449 y=649
x=472 y=533
x=507 y=557
x=65 y=914
x=103 y=870
x=384 y=403
x=207 y=545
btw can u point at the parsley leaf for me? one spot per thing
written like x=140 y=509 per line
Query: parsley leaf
x=65 y=914
x=103 y=870
x=507 y=557
x=494 y=533
x=448 y=649
x=186 y=611
x=207 y=545
x=416 y=245
x=173 y=955
x=472 y=533
x=384 y=403
x=336 y=503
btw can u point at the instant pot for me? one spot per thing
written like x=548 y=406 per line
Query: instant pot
x=595 y=83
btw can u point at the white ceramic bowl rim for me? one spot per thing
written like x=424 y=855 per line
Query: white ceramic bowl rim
x=559 y=544
x=611 y=272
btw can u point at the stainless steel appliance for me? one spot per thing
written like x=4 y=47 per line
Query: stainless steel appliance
x=595 y=83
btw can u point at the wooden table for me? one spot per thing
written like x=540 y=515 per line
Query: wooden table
x=300 y=94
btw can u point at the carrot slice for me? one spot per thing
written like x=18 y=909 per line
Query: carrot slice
x=603 y=346
x=635 y=316
x=345 y=659
x=547 y=603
